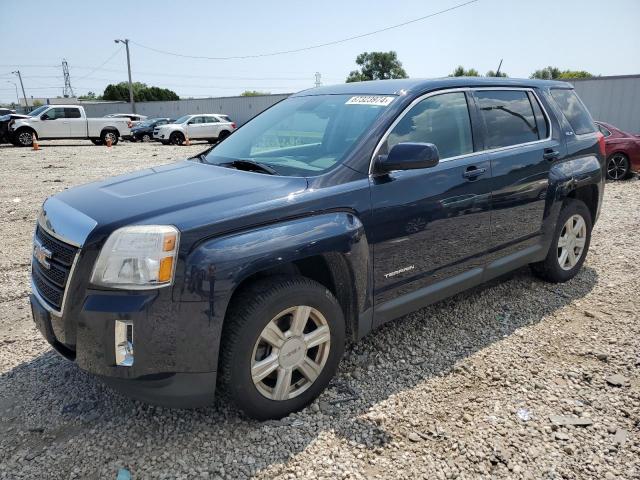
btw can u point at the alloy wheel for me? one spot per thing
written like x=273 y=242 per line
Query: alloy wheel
x=617 y=167
x=25 y=138
x=290 y=352
x=110 y=136
x=571 y=242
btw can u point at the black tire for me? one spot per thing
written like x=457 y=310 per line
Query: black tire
x=109 y=134
x=176 y=138
x=549 y=269
x=145 y=137
x=246 y=318
x=96 y=141
x=23 y=137
x=618 y=166
x=223 y=134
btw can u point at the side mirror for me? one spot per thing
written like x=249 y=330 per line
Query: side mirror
x=408 y=156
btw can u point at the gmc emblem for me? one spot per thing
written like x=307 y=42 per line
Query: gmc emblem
x=41 y=254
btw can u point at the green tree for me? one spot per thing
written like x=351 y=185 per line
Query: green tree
x=141 y=92
x=254 y=93
x=461 y=72
x=491 y=73
x=377 y=66
x=553 y=73
x=89 y=96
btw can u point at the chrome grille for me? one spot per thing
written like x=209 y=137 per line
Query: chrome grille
x=51 y=282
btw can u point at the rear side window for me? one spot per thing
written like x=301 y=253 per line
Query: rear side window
x=542 y=123
x=72 y=113
x=574 y=111
x=508 y=117
x=442 y=120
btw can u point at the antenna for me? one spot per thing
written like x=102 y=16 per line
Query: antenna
x=499 y=67
x=68 y=91
x=318 y=79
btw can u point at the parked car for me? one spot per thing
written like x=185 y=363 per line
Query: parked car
x=6 y=111
x=144 y=130
x=50 y=122
x=5 y=121
x=211 y=127
x=134 y=118
x=324 y=217
x=623 y=152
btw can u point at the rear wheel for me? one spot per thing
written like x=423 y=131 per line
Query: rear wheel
x=281 y=346
x=618 y=167
x=146 y=137
x=570 y=244
x=176 y=138
x=109 y=135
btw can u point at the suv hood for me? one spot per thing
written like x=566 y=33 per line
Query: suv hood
x=186 y=194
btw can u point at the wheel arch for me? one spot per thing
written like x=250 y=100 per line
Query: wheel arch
x=109 y=129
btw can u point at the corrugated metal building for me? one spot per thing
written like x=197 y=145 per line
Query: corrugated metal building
x=615 y=100
x=240 y=109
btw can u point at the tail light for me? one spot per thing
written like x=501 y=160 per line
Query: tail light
x=601 y=144
x=233 y=125
x=129 y=124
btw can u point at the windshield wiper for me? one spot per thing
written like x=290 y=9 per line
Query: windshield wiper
x=251 y=165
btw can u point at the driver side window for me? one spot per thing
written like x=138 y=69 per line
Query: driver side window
x=442 y=120
x=54 y=113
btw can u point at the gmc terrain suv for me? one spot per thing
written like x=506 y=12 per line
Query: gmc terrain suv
x=329 y=214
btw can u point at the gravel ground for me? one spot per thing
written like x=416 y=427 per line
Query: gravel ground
x=517 y=379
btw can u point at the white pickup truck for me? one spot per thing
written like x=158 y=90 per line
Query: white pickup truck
x=66 y=121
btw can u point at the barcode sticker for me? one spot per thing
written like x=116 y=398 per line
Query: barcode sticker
x=377 y=100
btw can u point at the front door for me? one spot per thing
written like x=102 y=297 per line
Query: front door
x=430 y=228
x=54 y=124
x=196 y=127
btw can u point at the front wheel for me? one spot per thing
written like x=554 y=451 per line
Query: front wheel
x=281 y=346
x=24 y=138
x=618 y=167
x=570 y=244
x=146 y=138
x=176 y=138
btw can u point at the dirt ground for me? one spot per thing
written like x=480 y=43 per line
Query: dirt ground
x=516 y=379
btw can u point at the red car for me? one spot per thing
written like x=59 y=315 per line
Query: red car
x=623 y=152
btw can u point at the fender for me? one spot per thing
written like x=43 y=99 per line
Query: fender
x=216 y=267
x=567 y=177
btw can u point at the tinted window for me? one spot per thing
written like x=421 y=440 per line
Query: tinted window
x=508 y=117
x=574 y=111
x=442 y=120
x=55 y=113
x=72 y=113
x=541 y=120
x=604 y=130
x=211 y=120
x=197 y=120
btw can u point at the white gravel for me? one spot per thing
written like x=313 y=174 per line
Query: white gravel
x=517 y=379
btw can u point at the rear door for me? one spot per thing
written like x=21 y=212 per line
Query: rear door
x=430 y=228
x=517 y=138
x=212 y=127
x=77 y=124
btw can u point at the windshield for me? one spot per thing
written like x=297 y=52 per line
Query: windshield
x=38 y=111
x=302 y=136
x=183 y=119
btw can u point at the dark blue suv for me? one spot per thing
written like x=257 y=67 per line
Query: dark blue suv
x=329 y=214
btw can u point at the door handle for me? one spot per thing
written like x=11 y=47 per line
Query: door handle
x=473 y=172
x=550 y=154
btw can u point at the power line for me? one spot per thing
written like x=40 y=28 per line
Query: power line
x=311 y=47
x=102 y=64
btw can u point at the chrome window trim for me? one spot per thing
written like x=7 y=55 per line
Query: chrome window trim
x=465 y=89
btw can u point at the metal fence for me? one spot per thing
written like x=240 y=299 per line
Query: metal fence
x=615 y=100
x=240 y=109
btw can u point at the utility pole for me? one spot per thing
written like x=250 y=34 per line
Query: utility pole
x=68 y=91
x=126 y=44
x=26 y=102
x=318 y=79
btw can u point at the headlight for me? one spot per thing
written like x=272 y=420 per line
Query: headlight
x=138 y=257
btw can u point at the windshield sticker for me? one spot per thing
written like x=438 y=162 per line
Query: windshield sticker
x=376 y=100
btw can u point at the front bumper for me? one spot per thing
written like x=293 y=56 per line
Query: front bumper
x=169 y=368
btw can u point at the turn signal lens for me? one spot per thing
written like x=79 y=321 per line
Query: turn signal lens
x=166 y=269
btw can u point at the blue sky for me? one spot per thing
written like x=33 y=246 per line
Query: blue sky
x=598 y=36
